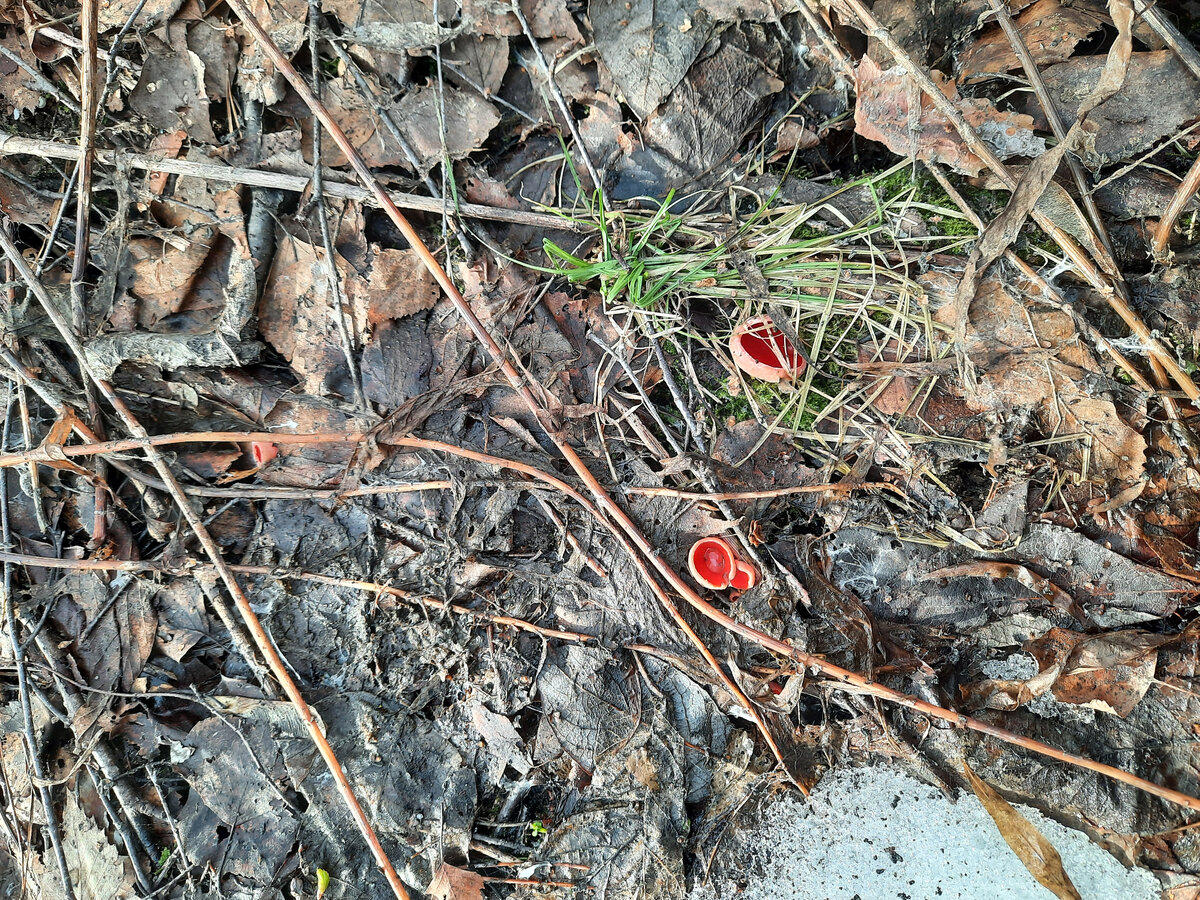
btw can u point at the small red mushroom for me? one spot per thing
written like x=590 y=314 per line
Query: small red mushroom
x=715 y=564
x=762 y=351
x=262 y=452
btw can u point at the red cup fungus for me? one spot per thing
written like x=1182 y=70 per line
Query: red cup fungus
x=715 y=564
x=262 y=452
x=762 y=351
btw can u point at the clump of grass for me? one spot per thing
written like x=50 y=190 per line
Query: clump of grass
x=844 y=290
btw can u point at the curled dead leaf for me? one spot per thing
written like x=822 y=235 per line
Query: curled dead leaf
x=1036 y=853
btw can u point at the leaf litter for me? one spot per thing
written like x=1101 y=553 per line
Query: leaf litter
x=979 y=494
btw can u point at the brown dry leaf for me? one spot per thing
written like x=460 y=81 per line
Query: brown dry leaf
x=1047 y=369
x=378 y=286
x=50 y=452
x=93 y=864
x=400 y=285
x=885 y=113
x=17 y=86
x=392 y=26
x=114 y=13
x=1051 y=30
x=167 y=145
x=296 y=313
x=159 y=273
x=170 y=94
x=1003 y=230
x=452 y=883
x=1109 y=672
x=1116 y=64
x=547 y=18
x=469 y=120
x=481 y=58
x=22 y=205
x=1036 y=853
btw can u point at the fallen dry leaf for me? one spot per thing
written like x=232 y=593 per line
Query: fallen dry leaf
x=1000 y=570
x=452 y=883
x=17 y=86
x=1109 y=672
x=1047 y=369
x=884 y=113
x=1036 y=853
x=1051 y=30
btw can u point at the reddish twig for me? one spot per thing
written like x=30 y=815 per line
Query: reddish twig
x=94 y=448
x=841 y=487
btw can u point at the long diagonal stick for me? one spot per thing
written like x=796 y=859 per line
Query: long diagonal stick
x=632 y=535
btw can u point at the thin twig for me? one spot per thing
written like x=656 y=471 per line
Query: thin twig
x=1166 y=224
x=841 y=487
x=89 y=91
x=1171 y=35
x=297 y=184
x=32 y=751
x=331 y=273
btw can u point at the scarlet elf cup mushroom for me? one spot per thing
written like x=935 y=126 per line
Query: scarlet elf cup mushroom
x=764 y=352
x=715 y=564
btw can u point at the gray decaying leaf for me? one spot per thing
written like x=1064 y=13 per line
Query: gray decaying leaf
x=648 y=46
x=171 y=94
x=115 y=13
x=504 y=745
x=480 y=58
x=1031 y=847
x=95 y=868
x=628 y=821
x=723 y=96
x=233 y=818
x=1152 y=103
x=1113 y=590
